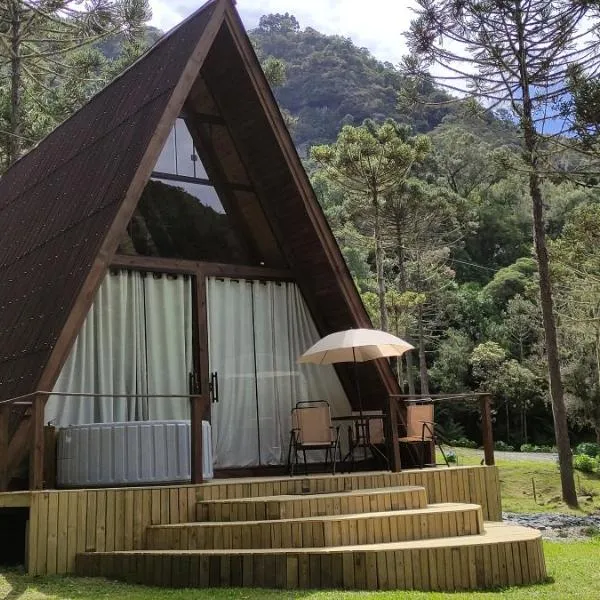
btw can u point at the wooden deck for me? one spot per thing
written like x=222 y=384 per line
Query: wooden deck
x=349 y=530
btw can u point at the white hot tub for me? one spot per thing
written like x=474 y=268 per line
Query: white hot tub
x=131 y=453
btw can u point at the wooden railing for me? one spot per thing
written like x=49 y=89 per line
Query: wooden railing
x=396 y=412
x=32 y=438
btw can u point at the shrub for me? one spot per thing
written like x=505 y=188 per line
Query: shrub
x=585 y=463
x=451 y=456
x=463 y=442
x=588 y=448
x=503 y=446
x=529 y=448
x=534 y=448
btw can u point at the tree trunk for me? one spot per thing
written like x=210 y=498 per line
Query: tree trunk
x=379 y=265
x=424 y=375
x=559 y=411
x=14 y=138
x=410 y=373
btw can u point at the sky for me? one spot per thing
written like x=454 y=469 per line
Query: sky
x=361 y=20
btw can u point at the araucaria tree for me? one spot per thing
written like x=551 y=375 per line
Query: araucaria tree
x=370 y=162
x=46 y=61
x=517 y=54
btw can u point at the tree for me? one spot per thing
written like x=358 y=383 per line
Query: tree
x=576 y=267
x=516 y=52
x=40 y=40
x=371 y=161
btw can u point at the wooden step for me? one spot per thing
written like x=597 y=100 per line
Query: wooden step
x=435 y=521
x=271 y=508
x=503 y=555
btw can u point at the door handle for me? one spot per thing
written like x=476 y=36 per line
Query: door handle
x=213 y=387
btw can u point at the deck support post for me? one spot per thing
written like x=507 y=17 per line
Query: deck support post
x=486 y=429
x=36 y=456
x=198 y=404
x=4 y=413
x=394 y=444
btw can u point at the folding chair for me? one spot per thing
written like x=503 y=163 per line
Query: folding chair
x=312 y=429
x=420 y=427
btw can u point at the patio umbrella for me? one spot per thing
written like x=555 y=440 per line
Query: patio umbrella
x=355 y=345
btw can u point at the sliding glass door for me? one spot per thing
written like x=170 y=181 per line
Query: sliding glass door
x=257 y=330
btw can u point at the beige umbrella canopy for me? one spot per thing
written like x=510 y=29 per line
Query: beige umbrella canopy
x=355 y=345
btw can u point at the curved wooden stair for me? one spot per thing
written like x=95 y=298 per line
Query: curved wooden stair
x=381 y=538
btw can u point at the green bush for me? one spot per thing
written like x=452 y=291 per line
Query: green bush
x=588 y=448
x=463 y=442
x=451 y=456
x=528 y=448
x=585 y=463
x=534 y=448
x=503 y=446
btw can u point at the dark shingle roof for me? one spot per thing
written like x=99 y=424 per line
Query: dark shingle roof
x=58 y=202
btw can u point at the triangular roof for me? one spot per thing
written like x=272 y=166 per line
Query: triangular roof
x=65 y=205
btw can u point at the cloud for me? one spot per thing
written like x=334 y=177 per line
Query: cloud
x=377 y=24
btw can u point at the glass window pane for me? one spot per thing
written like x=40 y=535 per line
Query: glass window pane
x=166 y=160
x=188 y=162
x=176 y=219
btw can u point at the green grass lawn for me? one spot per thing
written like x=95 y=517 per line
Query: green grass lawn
x=572 y=569
x=518 y=477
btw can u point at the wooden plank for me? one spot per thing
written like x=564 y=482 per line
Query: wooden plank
x=4 y=443
x=109 y=543
x=120 y=520
x=128 y=520
x=52 y=541
x=100 y=520
x=37 y=450
x=62 y=547
x=33 y=537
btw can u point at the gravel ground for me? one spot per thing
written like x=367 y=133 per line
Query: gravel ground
x=529 y=456
x=556 y=525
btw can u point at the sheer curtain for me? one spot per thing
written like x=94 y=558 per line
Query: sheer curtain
x=231 y=352
x=258 y=329
x=136 y=339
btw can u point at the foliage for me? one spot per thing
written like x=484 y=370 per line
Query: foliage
x=48 y=66
x=586 y=464
x=463 y=443
x=331 y=82
x=534 y=448
x=588 y=448
x=503 y=446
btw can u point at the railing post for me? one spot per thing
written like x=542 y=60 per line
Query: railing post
x=36 y=457
x=198 y=403
x=394 y=445
x=486 y=429
x=4 y=441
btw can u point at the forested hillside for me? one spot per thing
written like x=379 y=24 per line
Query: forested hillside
x=446 y=258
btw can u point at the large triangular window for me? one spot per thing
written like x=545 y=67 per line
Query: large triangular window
x=180 y=214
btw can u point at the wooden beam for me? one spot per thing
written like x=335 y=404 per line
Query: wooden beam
x=18 y=446
x=486 y=429
x=191 y=267
x=393 y=441
x=36 y=455
x=242 y=187
x=4 y=440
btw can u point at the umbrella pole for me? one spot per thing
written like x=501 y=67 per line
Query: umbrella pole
x=362 y=425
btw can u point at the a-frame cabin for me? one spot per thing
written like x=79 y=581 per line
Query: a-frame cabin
x=163 y=248
x=169 y=228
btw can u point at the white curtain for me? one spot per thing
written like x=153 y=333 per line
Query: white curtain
x=136 y=339
x=231 y=352
x=257 y=331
